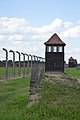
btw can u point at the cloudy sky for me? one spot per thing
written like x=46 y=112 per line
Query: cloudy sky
x=26 y=24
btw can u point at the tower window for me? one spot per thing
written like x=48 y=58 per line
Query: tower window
x=60 y=49
x=55 y=48
x=48 y=48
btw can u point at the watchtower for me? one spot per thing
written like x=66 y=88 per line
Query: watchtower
x=54 y=54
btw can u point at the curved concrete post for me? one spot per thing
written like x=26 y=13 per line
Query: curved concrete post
x=27 y=63
x=19 y=70
x=23 y=64
x=6 y=73
x=13 y=69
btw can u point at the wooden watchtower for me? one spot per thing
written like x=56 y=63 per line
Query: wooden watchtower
x=54 y=54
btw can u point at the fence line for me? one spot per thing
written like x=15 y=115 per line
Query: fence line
x=11 y=68
x=37 y=67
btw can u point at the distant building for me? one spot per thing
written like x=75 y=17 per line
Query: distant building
x=54 y=54
x=72 y=62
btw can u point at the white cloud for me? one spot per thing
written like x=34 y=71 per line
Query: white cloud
x=17 y=34
x=16 y=37
x=71 y=32
x=77 y=50
x=12 y=25
x=68 y=25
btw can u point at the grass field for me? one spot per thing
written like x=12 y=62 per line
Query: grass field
x=73 y=72
x=13 y=98
x=3 y=71
x=57 y=102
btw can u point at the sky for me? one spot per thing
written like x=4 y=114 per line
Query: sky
x=26 y=24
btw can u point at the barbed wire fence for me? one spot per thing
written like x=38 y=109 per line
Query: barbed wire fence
x=12 y=66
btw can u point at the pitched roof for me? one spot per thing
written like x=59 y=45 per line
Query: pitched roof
x=55 y=40
x=71 y=59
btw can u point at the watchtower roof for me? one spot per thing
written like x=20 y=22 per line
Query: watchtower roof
x=55 y=40
x=71 y=58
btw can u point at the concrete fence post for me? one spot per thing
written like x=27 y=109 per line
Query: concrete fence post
x=31 y=60
x=13 y=69
x=6 y=73
x=19 y=70
x=27 y=63
x=23 y=64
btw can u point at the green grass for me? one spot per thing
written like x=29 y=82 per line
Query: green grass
x=58 y=101
x=3 y=71
x=73 y=72
x=13 y=98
